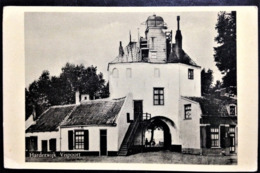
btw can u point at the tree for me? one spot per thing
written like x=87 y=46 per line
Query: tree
x=48 y=91
x=206 y=81
x=225 y=53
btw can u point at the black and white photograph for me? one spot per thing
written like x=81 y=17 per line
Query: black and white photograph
x=144 y=87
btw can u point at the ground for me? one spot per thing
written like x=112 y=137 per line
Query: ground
x=149 y=157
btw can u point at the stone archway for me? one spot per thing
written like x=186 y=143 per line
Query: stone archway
x=161 y=141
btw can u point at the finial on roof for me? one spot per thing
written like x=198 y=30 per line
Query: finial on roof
x=178 y=22
x=130 y=39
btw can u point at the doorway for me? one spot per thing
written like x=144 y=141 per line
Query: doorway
x=103 y=142
x=157 y=135
x=44 y=146
x=138 y=109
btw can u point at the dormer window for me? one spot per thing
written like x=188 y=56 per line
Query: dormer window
x=232 y=110
x=190 y=74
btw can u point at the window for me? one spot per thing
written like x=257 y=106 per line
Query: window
x=187 y=111
x=232 y=110
x=232 y=129
x=214 y=136
x=115 y=73
x=152 y=43
x=128 y=72
x=158 y=96
x=52 y=144
x=79 y=139
x=190 y=74
x=156 y=72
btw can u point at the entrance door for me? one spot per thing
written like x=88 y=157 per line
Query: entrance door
x=138 y=109
x=44 y=146
x=103 y=142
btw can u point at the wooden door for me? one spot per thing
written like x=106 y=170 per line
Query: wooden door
x=44 y=146
x=138 y=109
x=103 y=142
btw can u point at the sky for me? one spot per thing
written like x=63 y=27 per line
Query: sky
x=54 y=38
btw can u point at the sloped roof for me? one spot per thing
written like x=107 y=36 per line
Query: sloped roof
x=95 y=113
x=183 y=58
x=51 y=119
x=214 y=107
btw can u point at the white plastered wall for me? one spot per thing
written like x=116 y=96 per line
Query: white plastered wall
x=46 y=136
x=190 y=128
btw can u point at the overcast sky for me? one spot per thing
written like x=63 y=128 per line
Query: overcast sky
x=52 y=39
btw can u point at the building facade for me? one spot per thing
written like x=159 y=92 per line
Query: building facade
x=155 y=103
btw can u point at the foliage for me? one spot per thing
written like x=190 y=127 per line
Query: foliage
x=48 y=91
x=225 y=53
x=206 y=81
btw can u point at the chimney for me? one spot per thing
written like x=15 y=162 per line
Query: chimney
x=121 y=50
x=77 y=99
x=178 y=38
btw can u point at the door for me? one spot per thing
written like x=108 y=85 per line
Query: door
x=138 y=109
x=103 y=142
x=44 y=146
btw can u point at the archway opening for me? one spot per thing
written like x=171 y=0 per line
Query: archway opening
x=157 y=135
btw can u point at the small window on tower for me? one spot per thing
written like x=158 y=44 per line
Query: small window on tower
x=190 y=74
x=156 y=72
x=128 y=72
x=115 y=73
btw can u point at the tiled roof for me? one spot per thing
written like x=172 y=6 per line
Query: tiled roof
x=51 y=119
x=214 y=107
x=95 y=113
x=183 y=58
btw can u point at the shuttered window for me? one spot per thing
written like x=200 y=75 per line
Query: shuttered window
x=70 y=140
x=79 y=139
x=52 y=144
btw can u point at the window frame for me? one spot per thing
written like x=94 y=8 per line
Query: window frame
x=187 y=110
x=159 y=99
x=79 y=142
x=233 y=107
x=215 y=141
x=190 y=74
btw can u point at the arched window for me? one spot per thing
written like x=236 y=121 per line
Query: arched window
x=115 y=73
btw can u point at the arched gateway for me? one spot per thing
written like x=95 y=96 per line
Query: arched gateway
x=157 y=133
x=153 y=134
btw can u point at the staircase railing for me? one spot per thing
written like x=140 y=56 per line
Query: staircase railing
x=131 y=135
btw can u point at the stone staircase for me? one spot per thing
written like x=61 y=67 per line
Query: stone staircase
x=128 y=139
